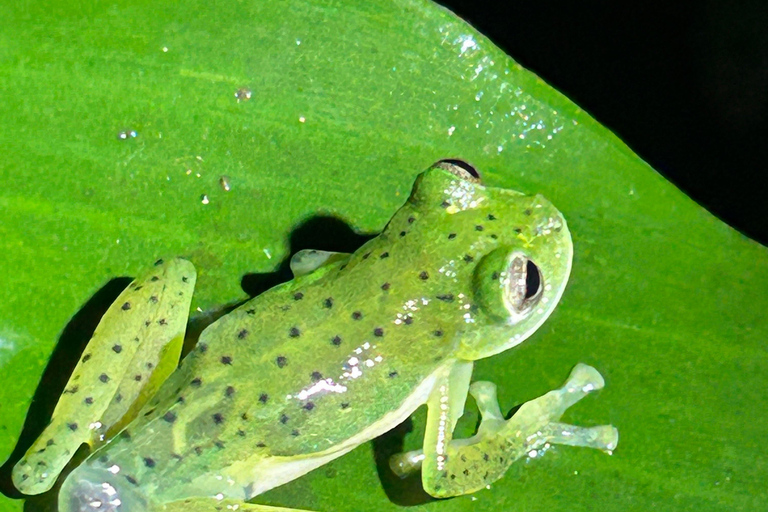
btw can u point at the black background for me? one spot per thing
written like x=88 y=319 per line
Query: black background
x=684 y=84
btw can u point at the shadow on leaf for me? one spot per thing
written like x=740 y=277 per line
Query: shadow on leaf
x=63 y=360
x=323 y=233
x=408 y=491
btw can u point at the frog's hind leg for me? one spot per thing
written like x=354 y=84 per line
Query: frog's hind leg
x=134 y=348
x=455 y=467
x=214 y=505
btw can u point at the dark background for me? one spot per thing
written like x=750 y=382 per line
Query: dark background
x=684 y=84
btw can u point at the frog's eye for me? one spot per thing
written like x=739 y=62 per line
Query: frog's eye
x=508 y=285
x=523 y=287
x=459 y=168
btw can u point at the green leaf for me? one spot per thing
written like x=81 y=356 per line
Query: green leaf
x=349 y=101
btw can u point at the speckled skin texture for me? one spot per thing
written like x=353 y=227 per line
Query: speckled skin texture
x=312 y=368
x=133 y=350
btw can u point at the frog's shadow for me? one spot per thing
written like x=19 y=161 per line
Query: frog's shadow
x=65 y=356
x=319 y=232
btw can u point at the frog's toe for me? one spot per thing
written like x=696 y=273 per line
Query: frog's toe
x=88 y=491
x=601 y=437
x=405 y=464
x=484 y=394
x=585 y=378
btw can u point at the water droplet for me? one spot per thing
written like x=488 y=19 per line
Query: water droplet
x=127 y=134
x=204 y=199
x=243 y=94
x=225 y=183
x=302 y=119
x=165 y=49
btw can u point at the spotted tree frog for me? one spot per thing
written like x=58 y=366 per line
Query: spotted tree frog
x=312 y=368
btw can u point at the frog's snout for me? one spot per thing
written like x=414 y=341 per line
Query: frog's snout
x=84 y=491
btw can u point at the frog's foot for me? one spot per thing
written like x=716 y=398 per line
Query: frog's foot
x=455 y=467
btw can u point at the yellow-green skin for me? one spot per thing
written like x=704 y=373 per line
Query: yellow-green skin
x=312 y=368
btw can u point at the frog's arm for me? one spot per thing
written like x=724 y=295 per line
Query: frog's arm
x=455 y=467
x=133 y=350
x=308 y=260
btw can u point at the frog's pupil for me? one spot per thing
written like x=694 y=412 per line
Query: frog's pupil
x=532 y=279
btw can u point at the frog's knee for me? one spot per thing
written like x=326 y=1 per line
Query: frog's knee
x=39 y=469
x=26 y=478
x=89 y=491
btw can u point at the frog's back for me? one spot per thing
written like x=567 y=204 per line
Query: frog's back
x=307 y=365
x=313 y=367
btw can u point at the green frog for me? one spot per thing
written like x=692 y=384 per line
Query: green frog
x=312 y=368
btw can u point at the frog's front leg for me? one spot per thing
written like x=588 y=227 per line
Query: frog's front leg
x=455 y=467
x=307 y=261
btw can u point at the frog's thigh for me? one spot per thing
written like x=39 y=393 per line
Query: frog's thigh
x=211 y=505
x=308 y=260
x=143 y=328
x=455 y=467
